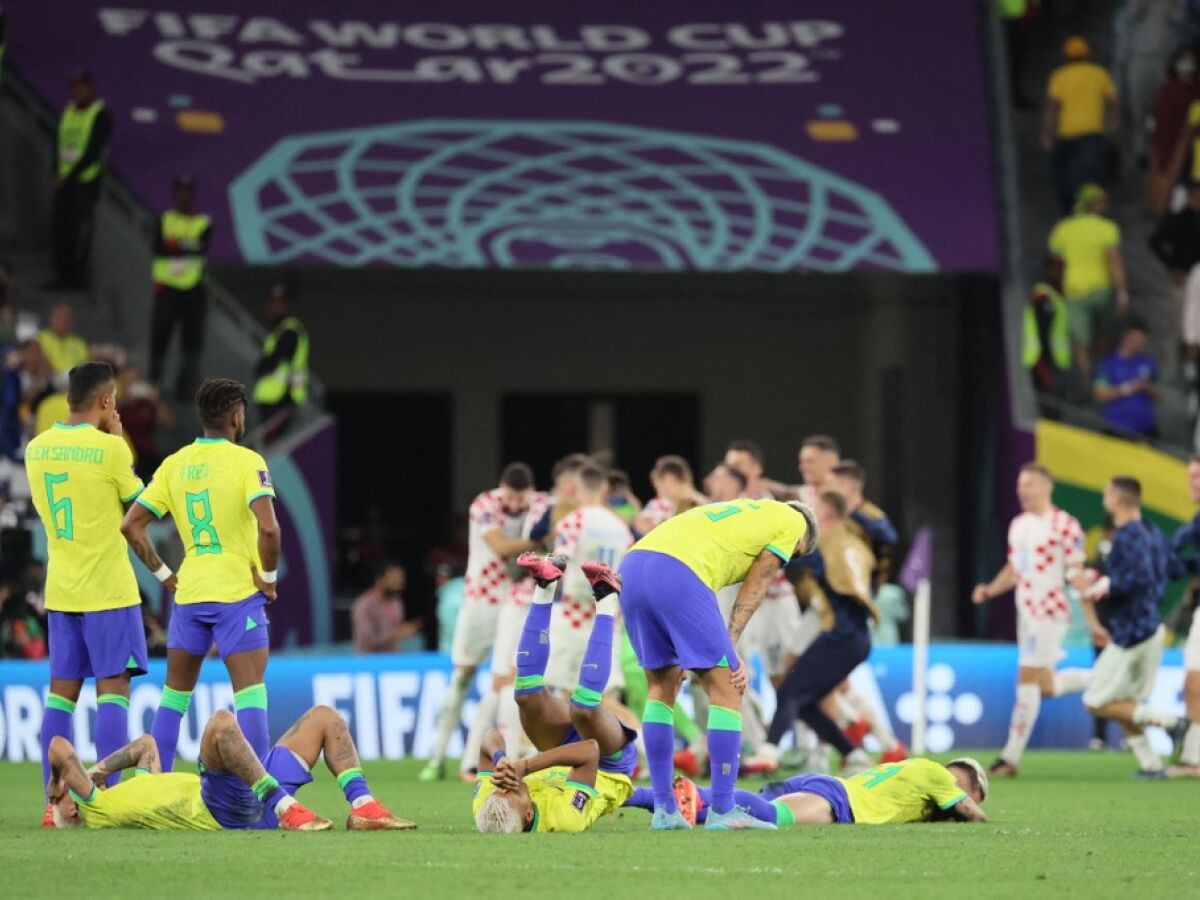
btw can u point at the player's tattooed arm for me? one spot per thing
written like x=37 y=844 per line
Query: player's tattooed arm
x=141 y=753
x=66 y=771
x=754 y=589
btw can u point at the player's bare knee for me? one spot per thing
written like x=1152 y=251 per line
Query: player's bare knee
x=223 y=720
x=60 y=747
x=584 y=718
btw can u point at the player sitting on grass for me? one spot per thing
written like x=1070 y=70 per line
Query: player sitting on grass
x=233 y=790
x=587 y=756
x=914 y=790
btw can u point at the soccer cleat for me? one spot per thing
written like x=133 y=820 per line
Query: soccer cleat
x=1096 y=744
x=858 y=761
x=374 y=816
x=300 y=818
x=602 y=579
x=857 y=730
x=1002 y=769
x=669 y=821
x=432 y=772
x=686 y=762
x=687 y=798
x=759 y=765
x=1149 y=775
x=1177 y=734
x=547 y=569
x=899 y=753
x=1183 y=770
x=48 y=816
x=736 y=819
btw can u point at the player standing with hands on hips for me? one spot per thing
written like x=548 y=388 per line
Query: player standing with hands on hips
x=222 y=501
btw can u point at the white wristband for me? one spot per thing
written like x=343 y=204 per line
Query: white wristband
x=164 y=572
x=270 y=577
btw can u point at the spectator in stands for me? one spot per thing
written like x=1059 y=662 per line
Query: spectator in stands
x=1081 y=110
x=179 y=300
x=282 y=369
x=34 y=383
x=1176 y=241
x=377 y=618
x=1089 y=245
x=1046 y=345
x=142 y=411
x=1153 y=33
x=1191 y=339
x=63 y=349
x=83 y=134
x=8 y=304
x=1175 y=96
x=1126 y=385
x=450 y=586
x=1017 y=16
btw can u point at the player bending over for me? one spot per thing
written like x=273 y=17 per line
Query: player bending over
x=587 y=756
x=233 y=790
x=914 y=790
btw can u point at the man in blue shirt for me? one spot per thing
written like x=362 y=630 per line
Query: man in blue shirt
x=1125 y=385
x=1134 y=580
x=1185 y=548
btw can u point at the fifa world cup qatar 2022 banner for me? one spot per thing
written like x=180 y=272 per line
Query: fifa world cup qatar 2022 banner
x=392 y=702
x=764 y=135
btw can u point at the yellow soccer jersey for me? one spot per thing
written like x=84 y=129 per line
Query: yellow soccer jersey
x=80 y=479
x=720 y=541
x=901 y=792
x=561 y=805
x=170 y=800
x=208 y=487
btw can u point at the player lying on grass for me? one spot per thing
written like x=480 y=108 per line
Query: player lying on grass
x=587 y=756
x=233 y=790
x=914 y=790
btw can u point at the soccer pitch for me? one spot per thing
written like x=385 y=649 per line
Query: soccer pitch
x=1073 y=824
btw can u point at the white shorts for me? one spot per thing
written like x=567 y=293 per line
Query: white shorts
x=1125 y=673
x=509 y=625
x=1039 y=642
x=1191 y=650
x=570 y=632
x=474 y=632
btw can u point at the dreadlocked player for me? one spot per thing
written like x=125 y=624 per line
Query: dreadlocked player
x=222 y=501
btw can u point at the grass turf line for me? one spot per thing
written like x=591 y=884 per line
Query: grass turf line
x=1073 y=824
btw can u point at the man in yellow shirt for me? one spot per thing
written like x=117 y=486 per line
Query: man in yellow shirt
x=63 y=350
x=1081 y=110
x=669 y=601
x=1089 y=245
x=221 y=498
x=234 y=790
x=913 y=790
x=81 y=477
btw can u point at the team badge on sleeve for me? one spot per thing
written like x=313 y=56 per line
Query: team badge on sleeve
x=264 y=478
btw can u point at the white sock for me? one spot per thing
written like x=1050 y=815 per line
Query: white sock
x=818 y=759
x=362 y=801
x=485 y=718
x=608 y=606
x=508 y=719
x=286 y=802
x=1071 y=681
x=450 y=716
x=1191 y=746
x=866 y=709
x=1024 y=717
x=545 y=594
x=1144 y=715
x=1139 y=745
x=753 y=732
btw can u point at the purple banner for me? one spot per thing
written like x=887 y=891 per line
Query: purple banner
x=767 y=135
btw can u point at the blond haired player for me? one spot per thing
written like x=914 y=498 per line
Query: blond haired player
x=1045 y=554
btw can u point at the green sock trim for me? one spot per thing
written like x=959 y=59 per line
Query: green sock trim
x=529 y=683
x=113 y=698
x=783 y=813
x=138 y=770
x=54 y=701
x=349 y=775
x=657 y=711
x=179 y=701
x=585 y=697
x=264 y=786
x=253 y=697
x=722 y=719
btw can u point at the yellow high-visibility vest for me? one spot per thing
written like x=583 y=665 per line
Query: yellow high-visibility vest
x=74 y=132
x=1060 y=335
x=181 y=272
x=289 y=377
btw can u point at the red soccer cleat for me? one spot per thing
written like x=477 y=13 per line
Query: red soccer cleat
x=857 y=730
x=757 y=765
x=48 y=816
x=899 y=753
x=687 y=798
x=685 y=761
x=546 y=569
x=300 y=818
x=598 y=573
x=374 y=816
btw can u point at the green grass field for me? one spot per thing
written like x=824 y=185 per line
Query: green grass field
x=1073 y=824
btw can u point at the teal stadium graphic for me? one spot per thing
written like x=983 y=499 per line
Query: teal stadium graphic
x=573 y=195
